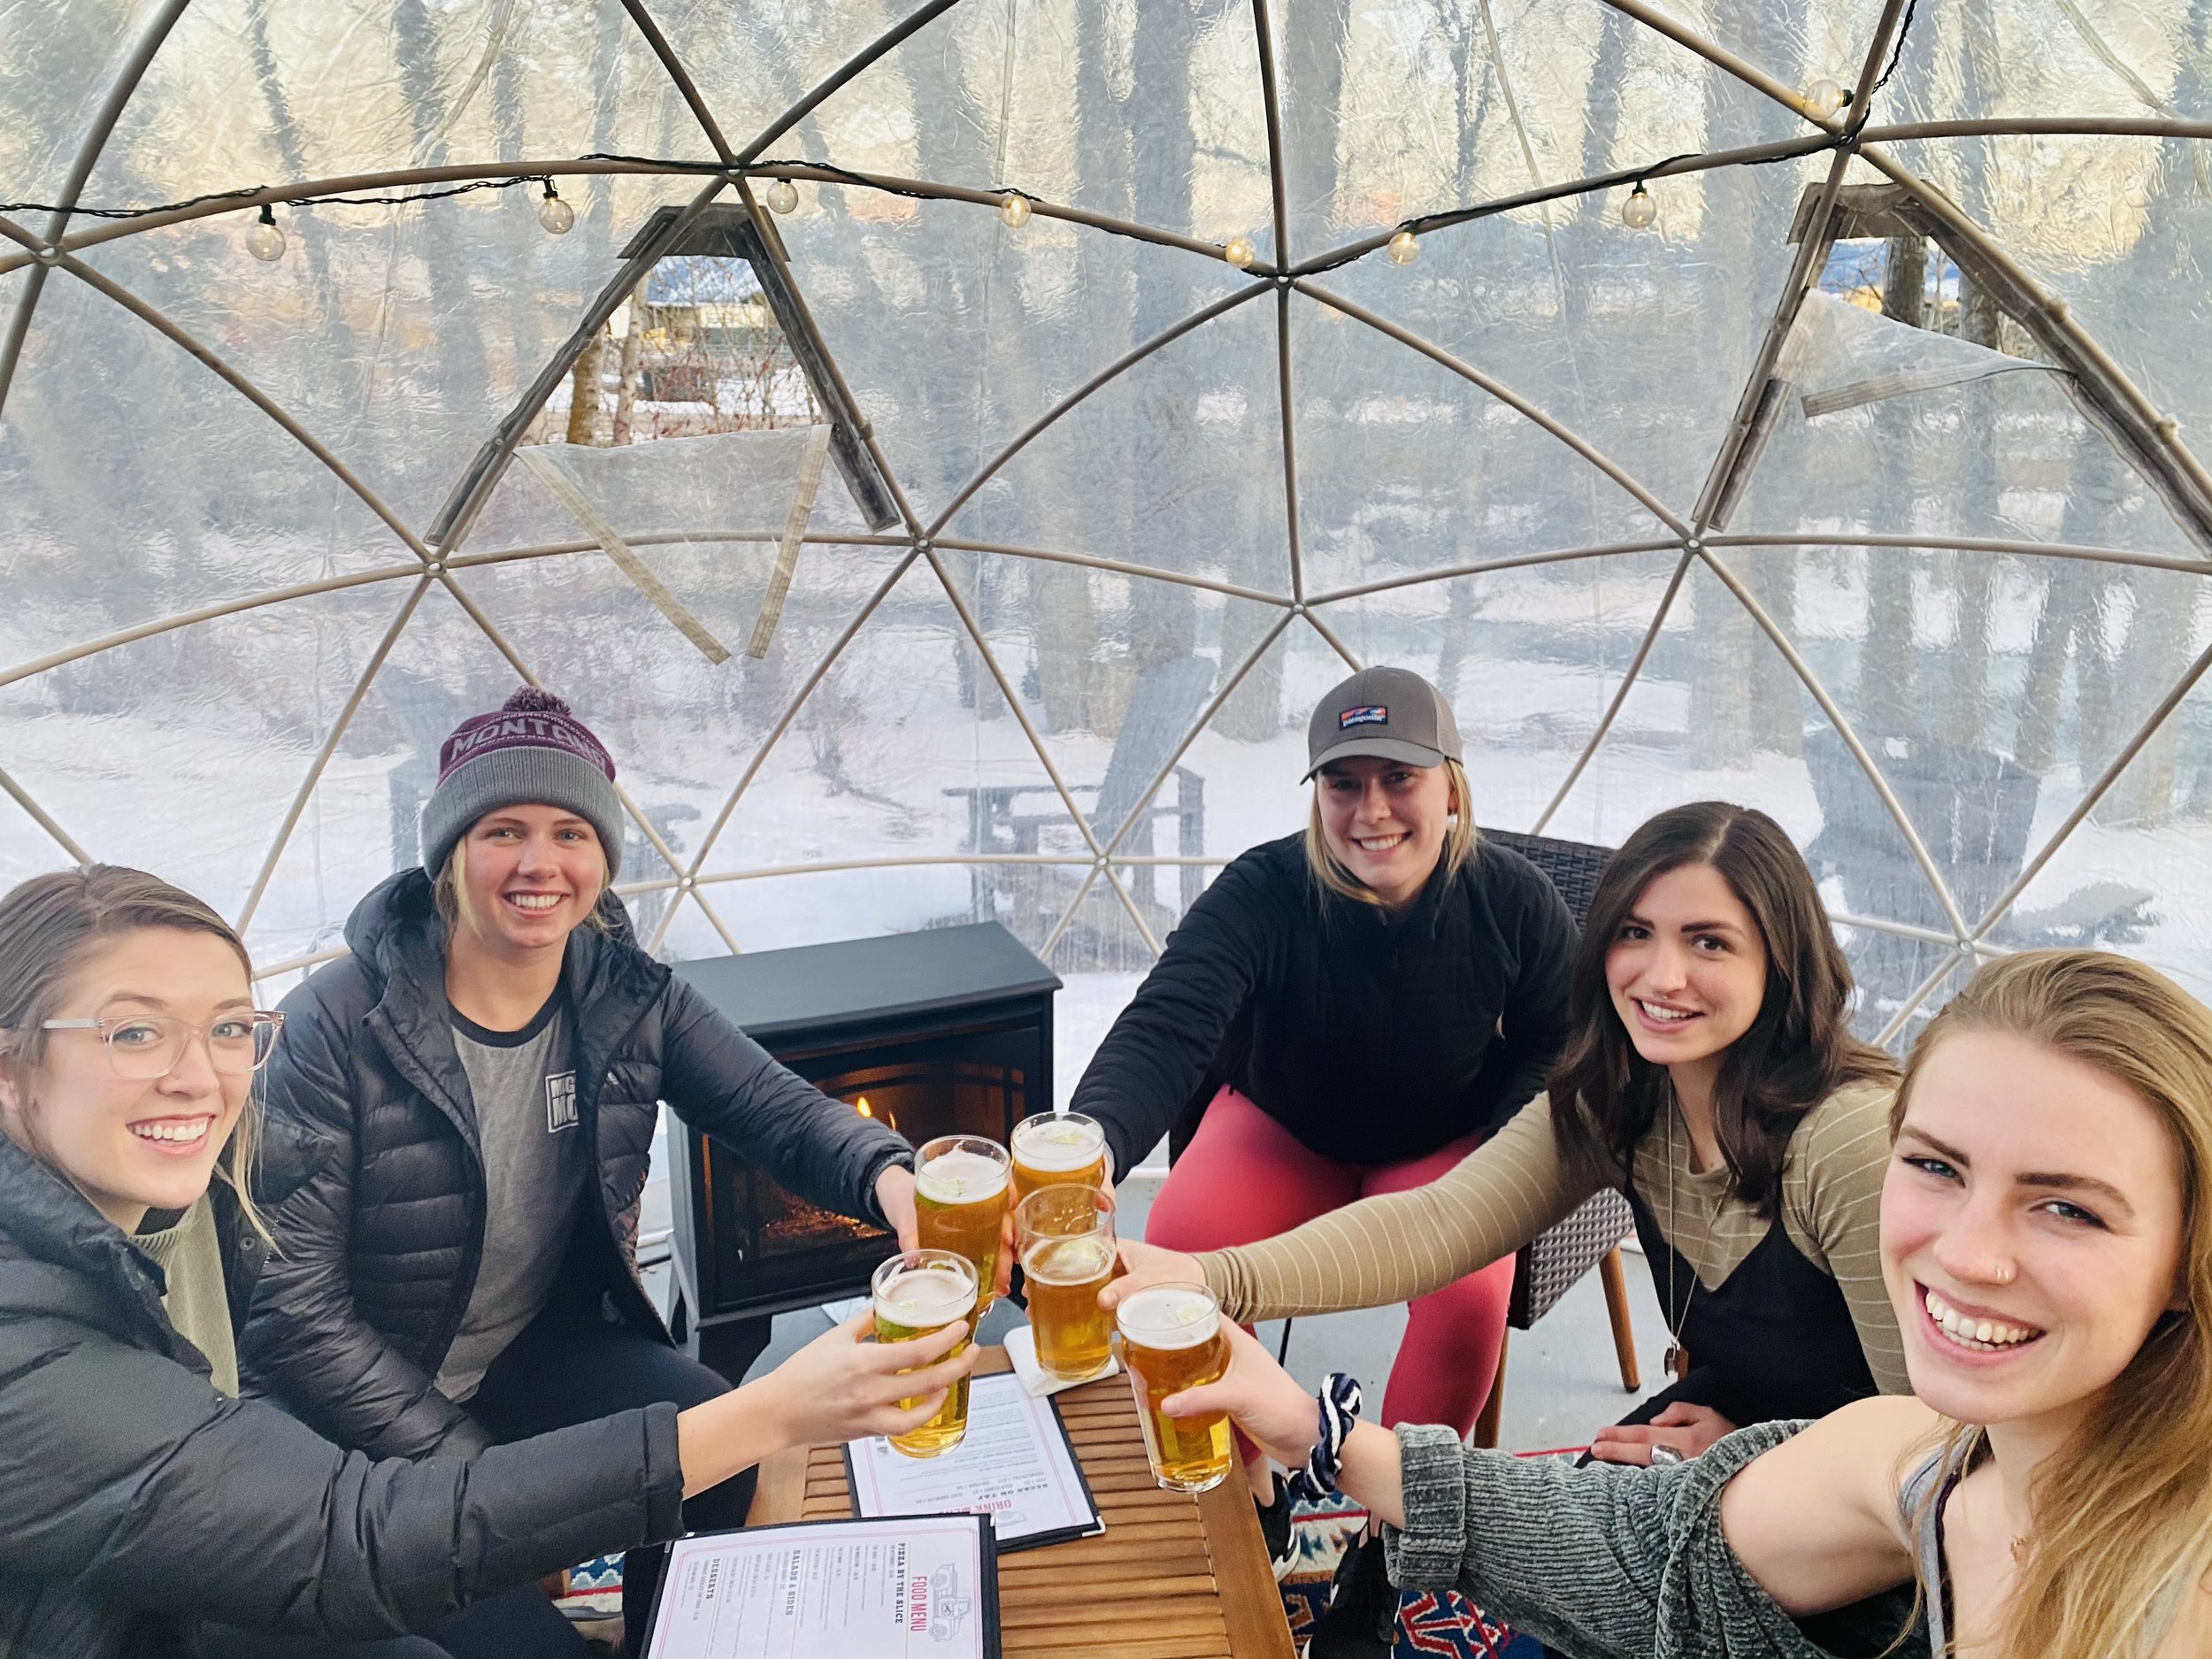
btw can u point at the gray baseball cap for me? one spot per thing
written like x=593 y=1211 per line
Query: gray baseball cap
x=1392 y=714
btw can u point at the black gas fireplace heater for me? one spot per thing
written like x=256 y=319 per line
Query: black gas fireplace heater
x=944 y=1031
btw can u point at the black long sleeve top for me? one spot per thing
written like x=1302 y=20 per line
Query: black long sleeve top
x=1372 y=1038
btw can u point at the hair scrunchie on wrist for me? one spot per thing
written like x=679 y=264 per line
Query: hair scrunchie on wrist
x=1339 y=1398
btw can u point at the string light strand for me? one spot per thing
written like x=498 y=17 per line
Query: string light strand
x=1402 y=251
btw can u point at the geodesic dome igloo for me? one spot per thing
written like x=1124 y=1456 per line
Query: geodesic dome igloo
x=1059 y=394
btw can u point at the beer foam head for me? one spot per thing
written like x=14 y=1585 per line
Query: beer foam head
x=925 y=1296
x=1068 y=1261
x=1170 y=1317
x=960 y=1178
x=1067 y=1140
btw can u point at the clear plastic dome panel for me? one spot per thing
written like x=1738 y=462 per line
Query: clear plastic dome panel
x=957 y=333
x=1893 y=429
x=1175 y=465
x=2111 y=58
x=273 y=90
x=63 y=63
x=143 y=487
x=1405 y=465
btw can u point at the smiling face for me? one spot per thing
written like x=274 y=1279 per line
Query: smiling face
x=1687 y=971
x=2031 y=1229
x=528 y=876
x=1384 y=821
x=131 y=1144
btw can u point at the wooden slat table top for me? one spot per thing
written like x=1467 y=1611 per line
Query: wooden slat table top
x=1172 y=1577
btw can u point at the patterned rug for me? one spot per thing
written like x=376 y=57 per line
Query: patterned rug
x=594 y=1591
x=1319 y=1534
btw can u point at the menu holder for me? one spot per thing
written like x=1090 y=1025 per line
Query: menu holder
x=897 y=1587
x=1016 y=1466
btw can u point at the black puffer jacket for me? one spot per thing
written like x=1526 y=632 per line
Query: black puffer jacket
x=380 y=1225
x=136 y=1501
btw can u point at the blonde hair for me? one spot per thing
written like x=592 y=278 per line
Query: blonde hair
x=50 y=925
x=1460 y=838
x=2122 y=1514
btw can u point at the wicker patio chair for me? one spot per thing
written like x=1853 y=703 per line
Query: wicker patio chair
x=1548 y=1266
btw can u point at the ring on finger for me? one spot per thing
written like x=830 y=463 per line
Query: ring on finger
x=1663 y=1455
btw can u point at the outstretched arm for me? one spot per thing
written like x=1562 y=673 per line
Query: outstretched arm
x=720 y=1081
x=1598 y=1560
x=127 y=1476
x=1155 y=1055
x=1397 y=1246
x=1811 y=1556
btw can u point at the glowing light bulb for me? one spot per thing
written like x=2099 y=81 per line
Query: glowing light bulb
x=1404 y=247
x=264 y=241
x=1013 y=207
x=1639 y=212
x=1239 y=252
x=782 y=197
x=1824 y=98
x=557 y=216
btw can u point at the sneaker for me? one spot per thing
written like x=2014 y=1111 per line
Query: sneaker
x=1275 y=1529
x=1360 y=1621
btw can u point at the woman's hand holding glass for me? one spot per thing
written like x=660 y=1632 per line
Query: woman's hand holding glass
x=1260 y=1396
x=1147 y=1264
x=840 y=1386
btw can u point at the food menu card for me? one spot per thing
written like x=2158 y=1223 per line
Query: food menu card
x=888 y=1589
x=1016 y=1466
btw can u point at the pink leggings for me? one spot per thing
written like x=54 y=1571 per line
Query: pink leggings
x=1244 y=1177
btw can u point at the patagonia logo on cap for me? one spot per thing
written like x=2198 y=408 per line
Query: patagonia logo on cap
x=1372 y=714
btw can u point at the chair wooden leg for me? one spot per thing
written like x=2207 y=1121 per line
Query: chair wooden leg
x=1493 y=1407
x=1615 y=1282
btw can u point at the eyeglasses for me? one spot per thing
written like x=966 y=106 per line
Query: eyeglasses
x=146 y=1046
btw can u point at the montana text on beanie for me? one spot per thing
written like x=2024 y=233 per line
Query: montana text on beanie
x=531 y=751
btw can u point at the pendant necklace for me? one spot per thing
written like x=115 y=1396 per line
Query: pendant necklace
x=1676 y=1360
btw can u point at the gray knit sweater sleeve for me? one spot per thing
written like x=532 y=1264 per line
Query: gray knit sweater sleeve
x=1605 y=1561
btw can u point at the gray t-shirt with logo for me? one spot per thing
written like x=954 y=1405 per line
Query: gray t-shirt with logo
x=536 y=1165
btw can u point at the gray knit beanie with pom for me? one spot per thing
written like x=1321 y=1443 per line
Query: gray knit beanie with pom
x=531 y=751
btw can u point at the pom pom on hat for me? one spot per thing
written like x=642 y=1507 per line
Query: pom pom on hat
x=536 y=700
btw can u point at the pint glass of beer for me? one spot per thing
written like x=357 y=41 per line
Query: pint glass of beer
x=1171 y=1341
x=960 y=1202
x=1065 y=1235
x=919 y=1293
x=1056 y=1147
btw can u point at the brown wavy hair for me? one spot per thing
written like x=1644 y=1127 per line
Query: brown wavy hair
x=50 y=925
x=1798 y=1050
x=2121 y=1515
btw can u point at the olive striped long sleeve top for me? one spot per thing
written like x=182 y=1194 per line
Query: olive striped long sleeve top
x=1397 y=1246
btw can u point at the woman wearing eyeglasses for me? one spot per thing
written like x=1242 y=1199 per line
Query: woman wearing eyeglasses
x=145 y=1509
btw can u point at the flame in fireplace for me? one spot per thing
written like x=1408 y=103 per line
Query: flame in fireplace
x=889 y=1120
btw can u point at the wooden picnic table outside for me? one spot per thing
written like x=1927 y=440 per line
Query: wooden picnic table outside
x=1172 y=1577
